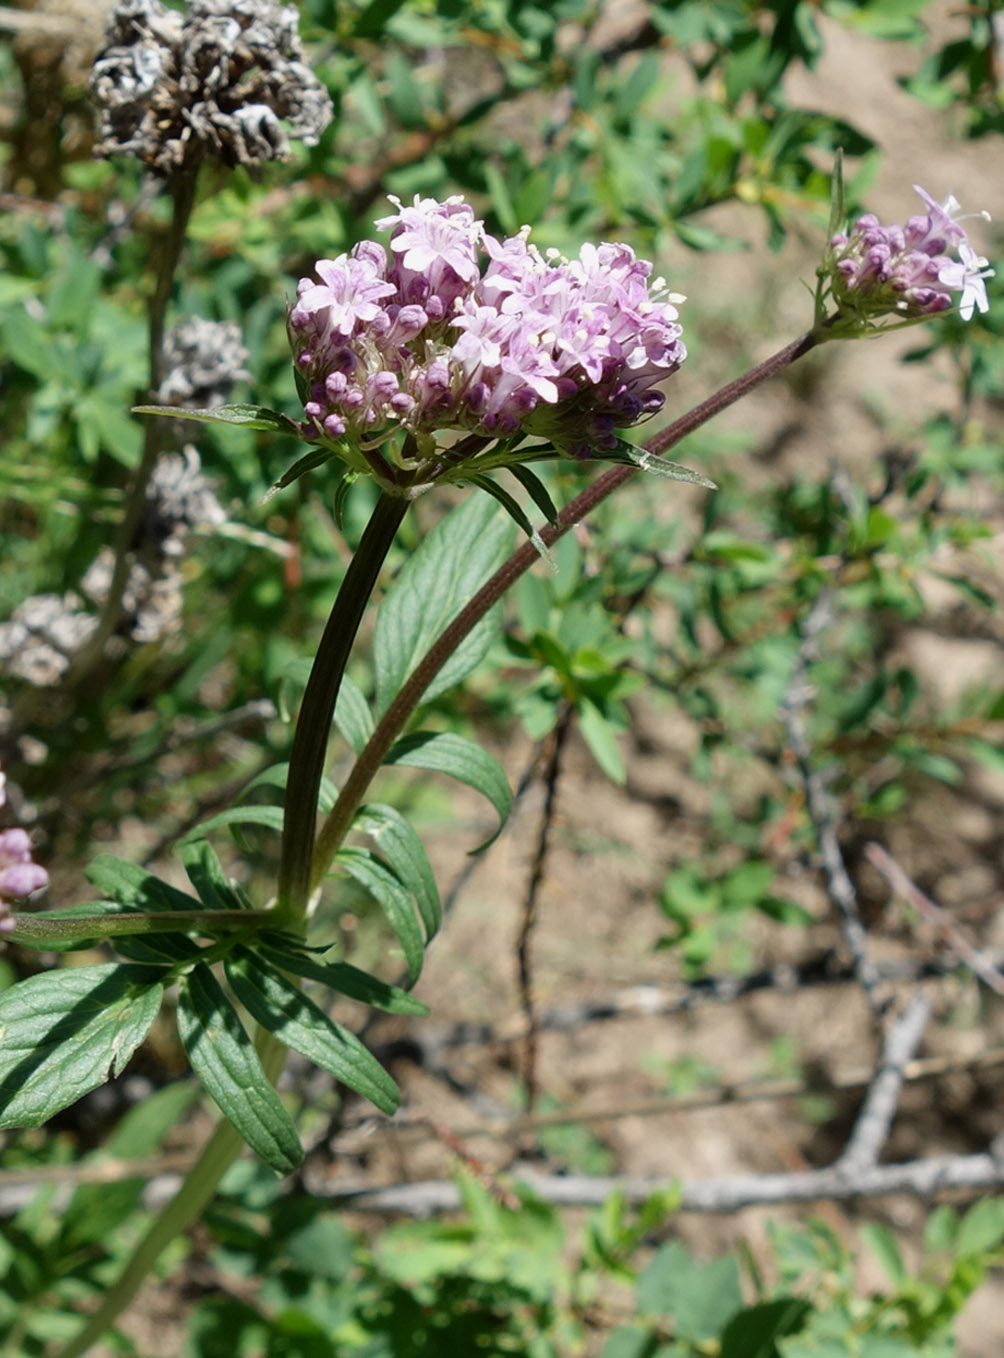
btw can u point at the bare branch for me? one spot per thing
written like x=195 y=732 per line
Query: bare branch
x=879 y=1108
x=819 y=803
x=922 y=1178
x=902 y=884
x=551 y=776
x=651 y=1001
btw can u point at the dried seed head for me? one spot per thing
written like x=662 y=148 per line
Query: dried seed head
x=215 y=80
x=203 y=360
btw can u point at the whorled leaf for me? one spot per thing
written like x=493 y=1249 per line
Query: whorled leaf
x=444 y=752
x=225 y=1060
x=63 y=1032
x=279 y=1005
x=400 y=845
x=393 y=898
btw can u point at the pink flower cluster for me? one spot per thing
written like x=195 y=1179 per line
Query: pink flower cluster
x=430 y=339
x=19 y=876
x=908 y=270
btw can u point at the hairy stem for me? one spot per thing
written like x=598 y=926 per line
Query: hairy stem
x=306 y=761
x=393 y=721
x=35 y=931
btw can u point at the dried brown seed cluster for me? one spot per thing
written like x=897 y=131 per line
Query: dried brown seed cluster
x=219 y=79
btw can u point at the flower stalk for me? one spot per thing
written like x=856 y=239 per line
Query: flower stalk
x=313 y=727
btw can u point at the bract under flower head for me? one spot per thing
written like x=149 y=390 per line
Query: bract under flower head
x=907 y=272
x=458 y=330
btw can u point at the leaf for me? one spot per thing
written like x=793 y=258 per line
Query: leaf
x=882 y=1243
x=281 y=1007
x=352 y=714
x=601 y=737
x=629 y=454
x=207 y=876
x=404 y=851
x=246 y=416
x=537 y=491
x=753 y=1332
x=224 y=1059
x=63 y=1031
x=129 y=884
x=393 y=899
x=315 y=458
x=701 y=1298
x=981 y=1229
x=269 y=816
x=275 y=776
x=515 y=511
x=452 y=562
x=444 y=752
x=344 y=979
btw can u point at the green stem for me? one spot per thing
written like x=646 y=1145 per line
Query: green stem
x=220 y=1151
x=36 y=931
x=393 y=721
x=313 y=727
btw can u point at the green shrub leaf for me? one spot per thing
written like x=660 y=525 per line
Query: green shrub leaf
x=392 y=897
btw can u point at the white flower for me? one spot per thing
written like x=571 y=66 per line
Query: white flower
x=966 y=275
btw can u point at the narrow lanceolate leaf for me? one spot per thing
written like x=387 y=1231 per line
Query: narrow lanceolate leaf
x=631 y=455
x=395 y=901
x=404 y=851
x=129 y=884
x=315 y=458
x=205 y=872
x=516 y=512
x=62 y=1033
x=276 y=777
x=343 y=978
x=248 y=416
x=352 y=714
x=537 y=491
x=453 y=561
x=280 y=1006
x=224 y=1059
x=237 y=816
x=444 y=752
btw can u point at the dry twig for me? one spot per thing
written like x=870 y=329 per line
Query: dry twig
x=977 y=962
x=839 y=886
